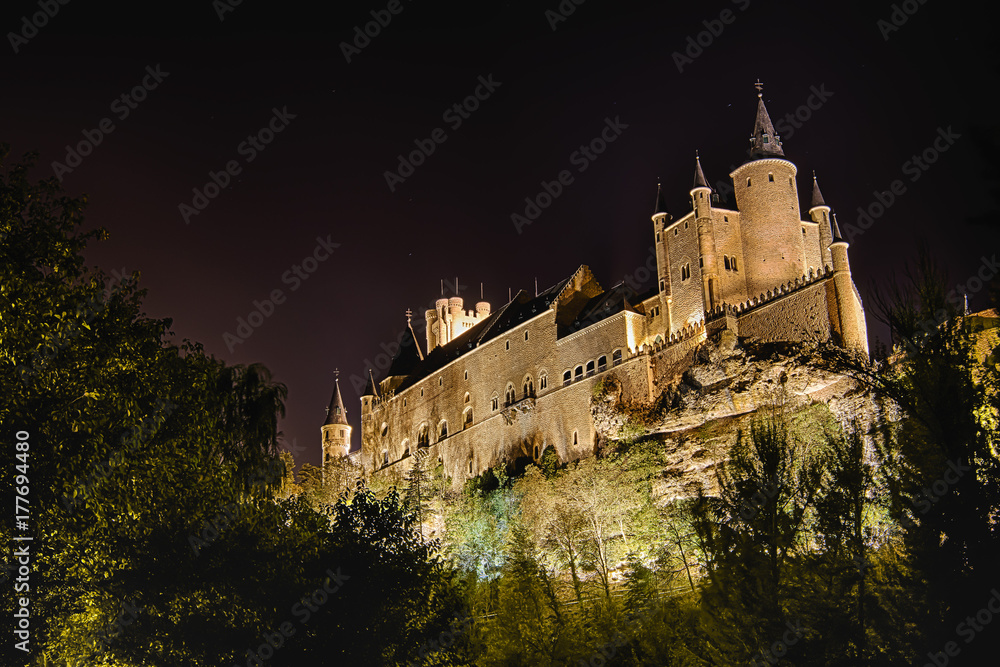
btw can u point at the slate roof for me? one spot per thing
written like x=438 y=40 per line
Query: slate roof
x=336 y=414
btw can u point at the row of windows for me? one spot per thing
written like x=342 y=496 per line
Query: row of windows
x=600 y=366
x=770 y=176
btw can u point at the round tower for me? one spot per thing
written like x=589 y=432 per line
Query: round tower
x=456 y=316
x=335 y=430
x=431 y=330
x=661 y=220
x=820 y=214
x=701 y=202
x=768 y=202
x=853 y=328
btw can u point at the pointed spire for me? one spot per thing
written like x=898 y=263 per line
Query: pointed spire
x=370 y=386
x=661 y=204
x=764 y=142
x=837 y=238
x=336 y=414
x=699 y=176
x=817 y=196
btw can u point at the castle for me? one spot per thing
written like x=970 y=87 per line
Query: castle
x=500 y=386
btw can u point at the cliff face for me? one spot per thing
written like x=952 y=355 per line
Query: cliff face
x=705 y=402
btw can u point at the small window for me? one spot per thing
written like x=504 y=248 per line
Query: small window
x=602 y=363
x=468 y=397
x=421 y=392
x=470 y=467
x=803 y=231
x=341 y=433
x=495 y=401
x=767 y=139
x=529 y=388
x=685 y=225
x=466 y=375
x=507 y=345
x=748 y=181
x=663 y=285
x=590 y=368
x=444 y=430
x=567 y=378
x=576 y=440
x=725 y=218
x=675 y=232
x=385 y=429
x=726 y=258
x=732 y=260
x=770 y=178
x=657 y=237
x=440 y=382
x=578 y=373
x=509 y=395
x=616 y=357
x=790 y=181
x=525 y=335
x=701 y=262
x=385 y=458
x=468 y=418
x=404 y=402
x=701 y=195
x=685 y=271
x=543 y=381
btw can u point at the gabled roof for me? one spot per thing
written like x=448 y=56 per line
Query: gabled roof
x=578 y=299
x=336 y=413
x=764 y=142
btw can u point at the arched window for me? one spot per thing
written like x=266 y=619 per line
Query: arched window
x=578 y=373
x=444 y=430
x=385 y=457
x=590 y=368
x=567 y=377
x=509 y=395
x=576 y=440
x=468 y=418
x=616 y=357
x=658 y=340
x=602 y=363
x=770 y=178
x=726 y=258
x=543 y=381
x=529 y=387
x=423 y=436
x=495 y=401
x=732 y=260
x=467 y=397
x=384 y=430
x=406 y=448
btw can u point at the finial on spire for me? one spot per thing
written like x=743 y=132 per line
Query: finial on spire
x=336 y=374
x=760 y=88
x=699 y=175
x=409 y=315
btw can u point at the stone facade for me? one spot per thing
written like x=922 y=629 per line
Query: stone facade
x=502 y=386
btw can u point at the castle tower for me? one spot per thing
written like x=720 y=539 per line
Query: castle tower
x=820 y=214
x=336 y=431
x=768 y=201
x=701 y=201
x=661 y=218
x=853 y=329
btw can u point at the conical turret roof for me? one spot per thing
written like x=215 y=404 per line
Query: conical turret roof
x=661 y=204
x=837 y=238
x=699 y=176
x=764 y=142
x=370 y=386
x=817 y=196
x=336 y=413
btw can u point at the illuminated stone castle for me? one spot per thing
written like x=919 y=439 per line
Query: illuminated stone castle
x=503 y=386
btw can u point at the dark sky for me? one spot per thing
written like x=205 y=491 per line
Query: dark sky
x=323 y=175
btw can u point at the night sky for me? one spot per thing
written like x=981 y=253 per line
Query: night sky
x=209 y=85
